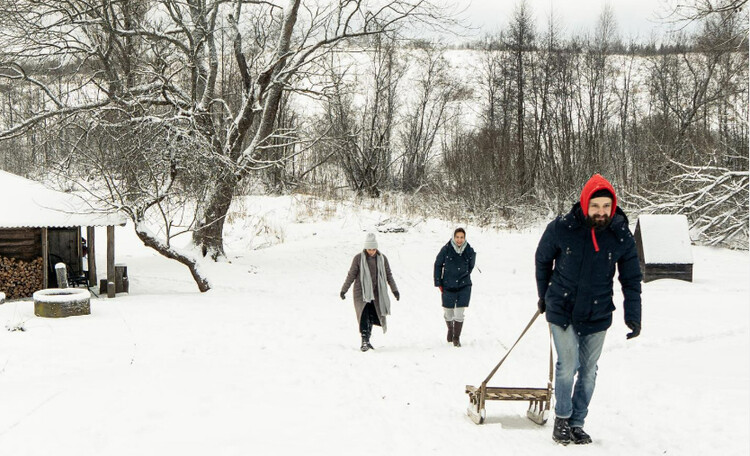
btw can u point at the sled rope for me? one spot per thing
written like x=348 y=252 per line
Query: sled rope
x=533 y=319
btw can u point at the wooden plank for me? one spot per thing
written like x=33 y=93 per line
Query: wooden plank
x=29 y=233
x=24 y=250
x=79 y=252
x=668 y=271
x=111 y=261
x=502 y=393
x=16 y=242
x=91 y=245
x=517 y=394
x=45 y=258
x=496 y=389
x=516 y=397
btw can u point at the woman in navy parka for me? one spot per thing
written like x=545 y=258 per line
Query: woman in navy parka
x=452 y=274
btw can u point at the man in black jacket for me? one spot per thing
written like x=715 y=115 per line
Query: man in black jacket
x=575 y=267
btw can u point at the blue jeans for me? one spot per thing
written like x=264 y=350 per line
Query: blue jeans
x=575 y=355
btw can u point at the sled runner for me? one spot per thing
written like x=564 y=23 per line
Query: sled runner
x=539 y=398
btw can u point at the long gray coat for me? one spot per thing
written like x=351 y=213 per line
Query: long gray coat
x=353 y=277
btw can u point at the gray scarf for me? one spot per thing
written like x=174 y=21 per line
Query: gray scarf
x=459 y=250
x=384 y=303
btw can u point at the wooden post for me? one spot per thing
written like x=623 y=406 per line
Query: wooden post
x=111 y=261
x=90 y=231
x=61 y=271
x=45 y=258
x=79 y=250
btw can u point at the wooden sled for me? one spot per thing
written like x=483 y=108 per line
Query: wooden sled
x=539 y=398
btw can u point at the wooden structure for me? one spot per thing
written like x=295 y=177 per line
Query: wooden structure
x=539 y=398
x=40 y=227
x=664 y=247
x=122 y=284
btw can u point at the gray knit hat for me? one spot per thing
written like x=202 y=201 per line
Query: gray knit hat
x=370 y=241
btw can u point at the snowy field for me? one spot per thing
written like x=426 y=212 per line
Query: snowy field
x=268 y=361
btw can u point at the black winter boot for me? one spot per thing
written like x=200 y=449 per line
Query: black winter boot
x=365 y=342
x=457 y=326
x=561 y=431
x=579 y=436
x=450 y=330
x=369 y=334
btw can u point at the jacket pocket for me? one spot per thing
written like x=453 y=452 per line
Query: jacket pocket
x=559 y=298
x=601 y=306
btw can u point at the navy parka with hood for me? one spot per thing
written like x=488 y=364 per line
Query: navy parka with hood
x=575 y=267
x=453 y=271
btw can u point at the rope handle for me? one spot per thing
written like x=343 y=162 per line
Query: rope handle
x=533 y=319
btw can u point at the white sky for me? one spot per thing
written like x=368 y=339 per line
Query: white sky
x=635 y=18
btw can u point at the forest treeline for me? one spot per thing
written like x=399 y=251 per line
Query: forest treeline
x=169 y=109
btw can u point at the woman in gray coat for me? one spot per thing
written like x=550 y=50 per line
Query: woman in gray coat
x=371 y=275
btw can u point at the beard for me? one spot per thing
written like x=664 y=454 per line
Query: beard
x=599 y=221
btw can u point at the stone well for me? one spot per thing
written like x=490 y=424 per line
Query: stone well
x=62 y=302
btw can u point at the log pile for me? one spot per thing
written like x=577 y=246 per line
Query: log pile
x=20 y=279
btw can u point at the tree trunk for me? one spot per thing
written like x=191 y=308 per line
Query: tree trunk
x=165 y=250
x=209 y=233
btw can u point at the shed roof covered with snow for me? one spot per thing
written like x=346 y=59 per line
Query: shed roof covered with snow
x=664 y=250
x=25 y=203
x=666 y=239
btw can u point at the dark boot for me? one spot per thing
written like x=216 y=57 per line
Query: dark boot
x=365 y=329
x=579 y=436
x=365 y=342
x=561 y=431
x=369 y=333
x=450 y=330
x=457 y=326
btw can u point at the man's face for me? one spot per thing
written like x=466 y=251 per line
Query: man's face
x=599 y=210
x=459 y=238
x=372 y=252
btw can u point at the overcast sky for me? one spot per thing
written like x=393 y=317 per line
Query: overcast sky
x=635 y=18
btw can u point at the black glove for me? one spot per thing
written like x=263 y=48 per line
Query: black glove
x=343 y=295
x=635 y=327
x=541 y=305
x=397 y=295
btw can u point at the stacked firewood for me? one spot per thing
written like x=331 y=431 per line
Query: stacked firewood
x=20 y=279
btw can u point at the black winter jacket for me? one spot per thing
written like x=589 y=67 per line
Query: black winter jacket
x=576 y=281
x=453 y=271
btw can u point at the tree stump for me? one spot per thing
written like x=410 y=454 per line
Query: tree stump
x=62 y=302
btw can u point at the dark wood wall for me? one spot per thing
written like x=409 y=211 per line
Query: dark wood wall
x=65 y=246
x=21 y=243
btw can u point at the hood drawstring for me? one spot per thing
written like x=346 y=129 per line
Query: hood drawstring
x=593 y=238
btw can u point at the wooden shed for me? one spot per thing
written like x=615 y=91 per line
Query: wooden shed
x=40 y=227
x=664 y=247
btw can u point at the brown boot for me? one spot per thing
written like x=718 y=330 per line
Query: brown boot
x=450 y=330
x=457 y=326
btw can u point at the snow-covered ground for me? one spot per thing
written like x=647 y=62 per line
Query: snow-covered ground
x=268 y=361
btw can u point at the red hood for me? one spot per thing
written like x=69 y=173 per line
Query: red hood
x=596 y=183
